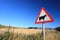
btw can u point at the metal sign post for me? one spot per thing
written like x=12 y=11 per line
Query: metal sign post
x=43 y=31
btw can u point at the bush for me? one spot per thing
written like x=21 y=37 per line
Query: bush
x=34 y=27
x=57 y=28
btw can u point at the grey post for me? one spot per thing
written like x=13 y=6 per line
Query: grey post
x=43 y=31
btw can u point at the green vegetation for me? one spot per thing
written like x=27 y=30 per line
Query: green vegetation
x=34 y=28
x=57 y=28
x=4 y=26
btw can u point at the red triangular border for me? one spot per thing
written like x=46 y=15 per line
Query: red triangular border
x=47 y=15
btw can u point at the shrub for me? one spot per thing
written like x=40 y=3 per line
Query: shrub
x=57 y=28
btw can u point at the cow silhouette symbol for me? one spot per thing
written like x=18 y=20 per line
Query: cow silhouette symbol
x=42 y=17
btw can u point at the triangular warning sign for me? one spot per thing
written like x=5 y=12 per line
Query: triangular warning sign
x=43 y=17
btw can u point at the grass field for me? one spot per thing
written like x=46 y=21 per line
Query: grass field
x=27 y=34
x=21 y=30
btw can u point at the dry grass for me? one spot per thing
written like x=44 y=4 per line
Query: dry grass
x=29 y=34
x=52 y=35
x=23 y=31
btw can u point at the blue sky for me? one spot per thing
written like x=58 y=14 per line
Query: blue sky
x=23 y=13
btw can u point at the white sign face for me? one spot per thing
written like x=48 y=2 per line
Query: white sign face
x=43 y=17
